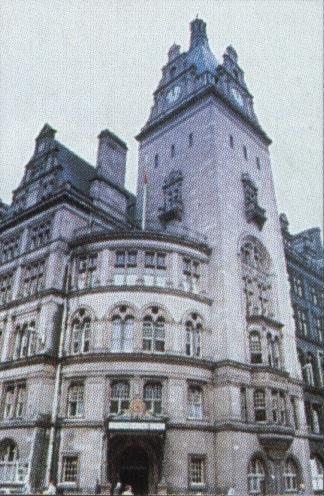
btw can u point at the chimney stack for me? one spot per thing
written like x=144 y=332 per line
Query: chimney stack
x=111 y=158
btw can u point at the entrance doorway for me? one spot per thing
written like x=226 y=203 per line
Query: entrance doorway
x=134 y=470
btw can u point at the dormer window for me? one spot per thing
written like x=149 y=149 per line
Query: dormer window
x=41 y=147
x=173 y=71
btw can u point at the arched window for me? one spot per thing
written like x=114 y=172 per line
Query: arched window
x=154 y=331
x=153 y=398
x=119 y=397
x=290 y=475
x=255 y=255
x=25 y=344
x=10 y=471
x=81 y=327
x=76 y=400
x=256 y=477
x=195 y=402
x=122 y=330
x=317 y=472
x=259 y=405
x=255 y=347
x=257 y=280
x=193 y=335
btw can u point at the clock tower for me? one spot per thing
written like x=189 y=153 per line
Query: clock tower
x=208 y=175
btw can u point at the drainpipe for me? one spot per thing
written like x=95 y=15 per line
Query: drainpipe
x=57 y=389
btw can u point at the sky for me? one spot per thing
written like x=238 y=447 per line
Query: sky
x=87 y=65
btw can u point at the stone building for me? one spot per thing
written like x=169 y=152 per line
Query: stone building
x=305 y=264
x=150 y=339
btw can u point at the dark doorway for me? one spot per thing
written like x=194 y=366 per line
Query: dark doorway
x=134 y=470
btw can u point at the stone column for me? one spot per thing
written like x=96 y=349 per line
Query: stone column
x=105 y=472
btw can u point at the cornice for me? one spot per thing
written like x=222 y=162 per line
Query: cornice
x=135 y=234
x=294 y=258
x=256 y=319
x=29 y=299
x=69 y=195
x=210 y=89
x=139 y=357
x=29 y=361
x=144 y=289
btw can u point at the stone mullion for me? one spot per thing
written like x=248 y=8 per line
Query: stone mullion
x=250 y=404
x=140 y=267
x=108 y=257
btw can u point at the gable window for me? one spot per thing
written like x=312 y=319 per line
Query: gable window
x=6 y=283
x=153 y=398
x=290 y=475
x=256 y=477
x=193 y=335
x=76 y=400
x=195 y=403
x=70 y=469
x=122 y=330
x=40 y=234
x=81 y=328
x=255 y=348
x=259 y=405
x=14 y=400
x=154 y=331
x=196 y=471
x=33 y=278
x=119 y=401
x=126 y=263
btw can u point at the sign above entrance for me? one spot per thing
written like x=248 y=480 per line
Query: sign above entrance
x=116 y=425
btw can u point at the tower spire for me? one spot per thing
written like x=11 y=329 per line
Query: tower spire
x=198 y=33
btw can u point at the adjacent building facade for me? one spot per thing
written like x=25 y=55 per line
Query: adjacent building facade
x=150 y=339
x=305 y=264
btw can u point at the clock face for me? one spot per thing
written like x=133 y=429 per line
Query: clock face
x=173 y=94
x=237 y=96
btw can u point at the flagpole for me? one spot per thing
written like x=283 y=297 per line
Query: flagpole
x=144 y=202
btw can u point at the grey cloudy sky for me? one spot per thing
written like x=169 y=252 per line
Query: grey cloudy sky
x=85 y=65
